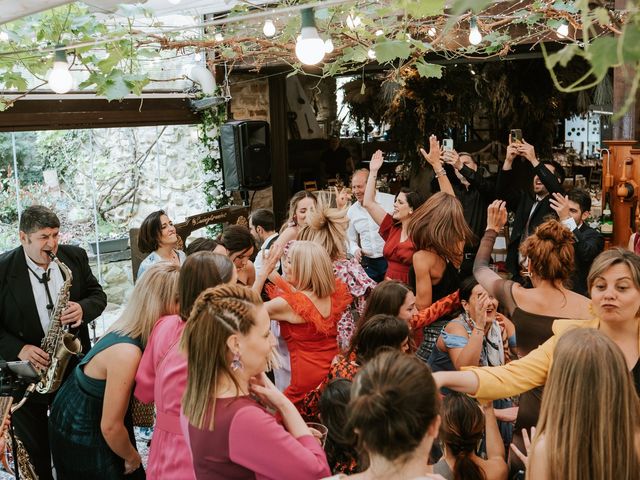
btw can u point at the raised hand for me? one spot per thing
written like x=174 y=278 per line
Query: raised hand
x=560 y=203
x=376 y=161
x=527 y=151
x=497 y=215
x=452 y=157
x=342 y=197
x=524 y=457
x=435 y=153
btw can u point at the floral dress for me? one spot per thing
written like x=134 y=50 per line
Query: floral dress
x=359 y=284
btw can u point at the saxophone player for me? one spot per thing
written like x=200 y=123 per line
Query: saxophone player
x=29 y=286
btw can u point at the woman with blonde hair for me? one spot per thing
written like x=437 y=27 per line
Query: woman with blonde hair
x=162 y=373
x=327 y=227
x=300 y=205
x=308 y=306
x=594 y=439
x=229 y=345
x=90 y=426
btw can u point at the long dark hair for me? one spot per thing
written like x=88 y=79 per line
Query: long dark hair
x=387 y=298
x=377 y=333
x=461 y=431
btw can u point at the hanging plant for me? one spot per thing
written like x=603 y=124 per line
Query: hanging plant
x=209 y=132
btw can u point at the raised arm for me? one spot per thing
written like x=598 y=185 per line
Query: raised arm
x=548 y=179
x=495 y=446
x=490 y=280
x=506 y=187
x=369 y=201
x=433 y=158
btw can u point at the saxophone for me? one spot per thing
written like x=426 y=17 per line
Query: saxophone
x=19 y=454
x=58 y=342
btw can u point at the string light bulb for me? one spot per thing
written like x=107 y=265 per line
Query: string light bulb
x=379 y=32
x=371 y=54
x=310 y=48
x=475 y=37
x=218 y=37
x=328 y=46
x=269 y=28
x=4 y=37
x=353 y=21
x=563 y=29
x=60 y=79
x=432 y=32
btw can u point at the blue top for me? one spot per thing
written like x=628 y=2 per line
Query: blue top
x=154 y=258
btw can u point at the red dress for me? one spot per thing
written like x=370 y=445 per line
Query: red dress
x=399 y=254
x=312 y=345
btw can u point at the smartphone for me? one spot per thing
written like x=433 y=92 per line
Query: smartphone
x=516 y=135
x=23 y=369
x=447 y=144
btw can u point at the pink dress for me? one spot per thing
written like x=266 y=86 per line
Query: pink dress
x=247 y=443
x=162 y=378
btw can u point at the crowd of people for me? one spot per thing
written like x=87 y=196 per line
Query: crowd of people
x=373 y=340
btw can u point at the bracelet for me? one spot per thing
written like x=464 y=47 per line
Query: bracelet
x=479 y=329
x=441 y=173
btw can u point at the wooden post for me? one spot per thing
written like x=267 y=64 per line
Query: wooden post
x=621 y=209
x=279 y=146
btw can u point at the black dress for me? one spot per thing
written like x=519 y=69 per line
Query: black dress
x=78 y=448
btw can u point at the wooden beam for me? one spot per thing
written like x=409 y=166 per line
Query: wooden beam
x=48 y=112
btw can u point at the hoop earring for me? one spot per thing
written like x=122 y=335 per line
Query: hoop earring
x=236 y=363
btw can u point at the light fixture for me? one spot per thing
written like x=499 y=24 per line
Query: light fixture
x=371 y=54
x=218 y=37
x=174 y=2
x=432 y=32
x=310 y=47
x=475 y=37
x=328 y=46
x=353 y=21
x=60 y=79
x=379 y=32
x=4 y=37
x=269 y=28
x=563 y=29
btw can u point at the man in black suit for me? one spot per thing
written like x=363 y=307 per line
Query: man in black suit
x=530 y=208
x=573 y=209
x=29 y=286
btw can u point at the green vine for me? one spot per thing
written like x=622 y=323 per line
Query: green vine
x=209 y=132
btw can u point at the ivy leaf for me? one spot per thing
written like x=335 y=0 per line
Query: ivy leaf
x=13 y=80
x=389 y=50
x=357 y=54
x=565 y=6
x=562 y=57
x=459 y=7
x=429 y=70
x=602 y=53
x=109 y=63
x=602 y=16
x=422 y=8
x=631 y=43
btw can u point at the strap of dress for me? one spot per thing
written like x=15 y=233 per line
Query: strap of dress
x=107 y=341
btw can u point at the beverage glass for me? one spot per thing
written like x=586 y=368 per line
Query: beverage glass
x=319 y=431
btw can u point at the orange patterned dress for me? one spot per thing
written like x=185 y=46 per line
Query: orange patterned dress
x=313 y=344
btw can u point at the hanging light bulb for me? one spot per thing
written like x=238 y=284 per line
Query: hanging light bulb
x=269 y=28
x=4 y=36
x=353 y=21
x=371 y=54
x=475 y=37
x=218 y=37
x=379 y=32
x=310 y=47
x=328 y=46
x=432 y=32
x=60 y=79
x=563 y=29
x=174 y=2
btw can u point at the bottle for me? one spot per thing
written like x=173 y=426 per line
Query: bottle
x=606 y=222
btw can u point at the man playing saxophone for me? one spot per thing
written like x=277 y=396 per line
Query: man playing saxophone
x=30 y=283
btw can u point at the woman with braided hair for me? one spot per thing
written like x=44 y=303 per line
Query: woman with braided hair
x=464 y=422
x=229 y=345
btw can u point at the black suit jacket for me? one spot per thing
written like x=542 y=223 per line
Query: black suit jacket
x=521 y=202
x=589 y=244
x=19 y=321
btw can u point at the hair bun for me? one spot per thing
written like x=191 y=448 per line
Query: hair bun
x=554 y=231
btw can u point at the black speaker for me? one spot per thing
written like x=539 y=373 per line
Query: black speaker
x=246 y=155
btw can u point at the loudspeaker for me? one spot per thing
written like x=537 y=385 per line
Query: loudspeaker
x=246 y=155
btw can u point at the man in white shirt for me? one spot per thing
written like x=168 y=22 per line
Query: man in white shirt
x=368 y=251
x=262 y=225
